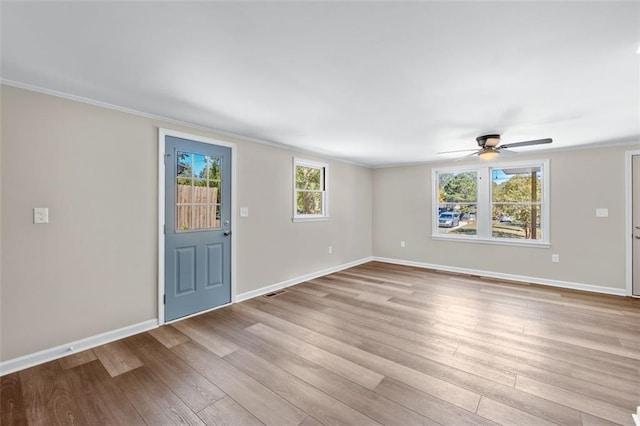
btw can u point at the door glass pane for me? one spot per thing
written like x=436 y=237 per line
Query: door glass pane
x=200 y=217
x=185 y=168
x=184 y=191
x=183 y=218
x=200 y=166
x=198 y=186
x=214 y=216
x=215 y=192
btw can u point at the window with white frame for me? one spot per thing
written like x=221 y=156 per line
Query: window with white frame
x=309 y=190
x=503 y=203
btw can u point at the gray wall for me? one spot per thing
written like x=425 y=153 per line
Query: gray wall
x=93 y=268
x=591 y=249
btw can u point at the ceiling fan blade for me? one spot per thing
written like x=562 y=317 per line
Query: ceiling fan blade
x=460 y=150
x=464 y=157
x=526 y=143
x=507 y=153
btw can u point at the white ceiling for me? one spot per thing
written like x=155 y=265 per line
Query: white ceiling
x=371 y=82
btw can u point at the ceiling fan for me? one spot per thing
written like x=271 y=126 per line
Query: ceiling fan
x=490 y=146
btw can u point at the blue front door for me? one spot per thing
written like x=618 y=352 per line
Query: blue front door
x=198 y=227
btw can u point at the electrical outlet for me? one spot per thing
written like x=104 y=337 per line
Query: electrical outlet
x=40 y=215
x=330 y=249
x=555 y=258
x=402 y=244
x=601 y=212
x=244 y=211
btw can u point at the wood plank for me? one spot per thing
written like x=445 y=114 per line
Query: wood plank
x=506 y=415
x=427 y=405
x=406 y=340
x=227 y=412
x=583 y=403
x=515 y=398
x=361 y=399
x=189 y=385
x=75 y=360
x=314 y=402
x=431 y=385
x=12 y=408
x=347 y=369
x=268 y=407
x=154 y=400
x=589 y=420
x=100 y=400
x=196 y=331
x=608 y=394
x=117 y=358
x=168 y=335
x=310 y=421
x=48 y=396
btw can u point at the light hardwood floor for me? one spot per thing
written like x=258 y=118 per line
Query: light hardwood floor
x=375 y=344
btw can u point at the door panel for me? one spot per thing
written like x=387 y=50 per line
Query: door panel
x=635 y=219
x=198 y=218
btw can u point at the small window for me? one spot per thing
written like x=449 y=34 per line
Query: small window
x=310 y=190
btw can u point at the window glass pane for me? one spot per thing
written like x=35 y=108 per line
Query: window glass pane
x=457 y=197
x=514 y=221
x=309 y=202
x=308 y=178
x=516 y=184
x=183 y=218
x=184 y=166
x=468 y=221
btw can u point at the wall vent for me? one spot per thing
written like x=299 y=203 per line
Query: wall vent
x=274 y=294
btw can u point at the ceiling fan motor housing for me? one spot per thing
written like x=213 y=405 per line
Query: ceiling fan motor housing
x=488 y=141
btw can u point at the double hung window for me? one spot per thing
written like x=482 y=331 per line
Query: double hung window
x=310 y=190
x=507 y=203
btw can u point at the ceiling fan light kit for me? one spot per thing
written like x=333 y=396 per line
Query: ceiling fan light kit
x=488 y=154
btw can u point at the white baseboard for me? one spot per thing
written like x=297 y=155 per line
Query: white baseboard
x=30 y=360
x=297 y=280
x=510 y=277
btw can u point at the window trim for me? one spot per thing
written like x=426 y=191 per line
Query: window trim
x=324 y=173
x=484 y=204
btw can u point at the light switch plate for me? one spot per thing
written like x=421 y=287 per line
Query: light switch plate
x=40 y=215
x=244 y=211
x=600 y=212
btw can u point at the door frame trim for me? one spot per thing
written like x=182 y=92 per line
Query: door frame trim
x=628 y=175
x=162 y=133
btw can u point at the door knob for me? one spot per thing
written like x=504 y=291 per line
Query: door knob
x=227 y=233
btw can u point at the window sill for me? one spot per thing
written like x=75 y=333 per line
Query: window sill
x=531 y=244
x=311 y=219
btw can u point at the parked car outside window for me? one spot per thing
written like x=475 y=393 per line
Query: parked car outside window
x=448 y=219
